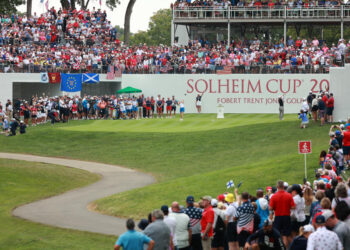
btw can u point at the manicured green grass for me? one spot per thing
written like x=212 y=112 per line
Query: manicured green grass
x=197 y=156
x=23 y=182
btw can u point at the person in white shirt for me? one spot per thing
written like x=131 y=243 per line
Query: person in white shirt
x=297 y=214
x=231 y=224
x=170 y=222
x=322 y=238
x=183 y=231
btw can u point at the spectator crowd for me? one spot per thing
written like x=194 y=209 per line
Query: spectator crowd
x=85 y=41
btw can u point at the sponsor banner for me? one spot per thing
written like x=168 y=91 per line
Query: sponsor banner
x=238 y=93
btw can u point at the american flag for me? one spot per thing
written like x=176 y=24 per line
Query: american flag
x=110 y=73
x=47 y=5
x=245 y=215
x=195 y=215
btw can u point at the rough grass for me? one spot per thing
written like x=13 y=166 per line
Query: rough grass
x=197 y=156
x=23 y=182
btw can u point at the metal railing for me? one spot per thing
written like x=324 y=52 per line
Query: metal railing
x=278 y=12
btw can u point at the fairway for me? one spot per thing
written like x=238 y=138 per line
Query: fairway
x=197 y=156
x=23 y=182
x=191 y=123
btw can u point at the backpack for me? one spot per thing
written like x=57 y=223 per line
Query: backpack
x=220 y=225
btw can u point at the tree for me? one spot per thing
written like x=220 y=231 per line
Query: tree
x=158 y=30
x=160 y=27
x=29 y=8
x=128 y=13
x=9 y=6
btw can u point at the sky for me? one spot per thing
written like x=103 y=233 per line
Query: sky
x=142 y=11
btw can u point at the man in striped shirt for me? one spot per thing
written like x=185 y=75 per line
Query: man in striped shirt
x=245 y=219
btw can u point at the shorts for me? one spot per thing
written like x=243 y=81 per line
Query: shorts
x=321 y=113
x=283 y=225
x=134 y=109
x=85 y=110
x=128 y=111
x=168 y=108
x=159 y=109
x=218 y=240
x=148 y=108
x=330 y=111
x=173 y=108
x=199 y=103
x=182 y=110
x=296 y=225
x=346 y=150
x=26 y=114
x=305 y=123
x=242 y=238
x=314 y=108
x=231 y=231
x=33 y=116
x=152 y=108
x=75 y=112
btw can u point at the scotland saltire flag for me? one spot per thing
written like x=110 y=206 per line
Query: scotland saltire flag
x=91 y=78
x=71 y=82
x=230 y=184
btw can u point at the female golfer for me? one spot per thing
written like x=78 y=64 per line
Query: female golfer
x=182 y=110
x=199 y=102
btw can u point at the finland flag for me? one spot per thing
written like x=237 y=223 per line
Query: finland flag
x=230 y=184
x=91 y=78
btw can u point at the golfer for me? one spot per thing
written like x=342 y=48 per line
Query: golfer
x=281 y=106
x=199 y=103
x=182 y=110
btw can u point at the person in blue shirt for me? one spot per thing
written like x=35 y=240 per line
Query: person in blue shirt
x=132 y=240
x=304 y=119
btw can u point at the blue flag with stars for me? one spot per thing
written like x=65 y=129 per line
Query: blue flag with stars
x=71 y=82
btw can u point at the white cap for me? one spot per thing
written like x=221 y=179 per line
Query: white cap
x=309 y=228
x=285 y=184
x=214 y=202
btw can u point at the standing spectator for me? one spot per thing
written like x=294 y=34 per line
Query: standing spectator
x=341 y=194
x=207 y=223
x=323 y=239
x=263 y=207
x=321 y=110
x=281 y=203
x=195 y=215
x=330 y=108
x=339 y=227
x=170 y=221
x=309 y=99
x=346 y=145
x=231 y=224
x=297 y=214
x=219 y=228
x=314 y=107
x=300 y=242
x=245 y=219
x=9 y=109
x=183 y=232
x=281 y=106
x=158 y=231
x=132 y=240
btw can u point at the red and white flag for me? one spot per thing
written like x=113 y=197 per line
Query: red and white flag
x=47 y=5
x=110 y=72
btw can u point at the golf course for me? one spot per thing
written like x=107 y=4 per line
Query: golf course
x=196 y=156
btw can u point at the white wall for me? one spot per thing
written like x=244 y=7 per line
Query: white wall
x=239 y=93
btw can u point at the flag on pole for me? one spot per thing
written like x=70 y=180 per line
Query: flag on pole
x=47 y=5
x=71 y=82
x=91 y=78
x=44 y=78
x=100 y=2
x=230 y=184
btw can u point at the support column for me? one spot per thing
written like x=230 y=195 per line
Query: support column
x=172 y=32
x=285 y=32
x=228 y=33
x=342 y=29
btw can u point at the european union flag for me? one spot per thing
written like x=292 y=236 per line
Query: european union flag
x=71 y=82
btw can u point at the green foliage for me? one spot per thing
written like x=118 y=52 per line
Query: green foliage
x=10 y=6
x=23 y=182
x=159 y=30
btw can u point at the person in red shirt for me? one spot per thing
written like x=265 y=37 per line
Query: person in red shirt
x=207 y=223
x=281 y=203
x=346 y=144
x=330 y=107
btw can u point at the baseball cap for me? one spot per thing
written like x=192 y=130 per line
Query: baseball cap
x=331 y=134
x=229 y=198
x=285 y=184
x=190 y=199
x=268 y=188
x=214 y=202
x=308 y=228
x=320 y=219
x=206 y=197
x=164 y=208
x=337 y=132
x=268 y=222
x=143 y=224
x=327 y=214
x=221 y=197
